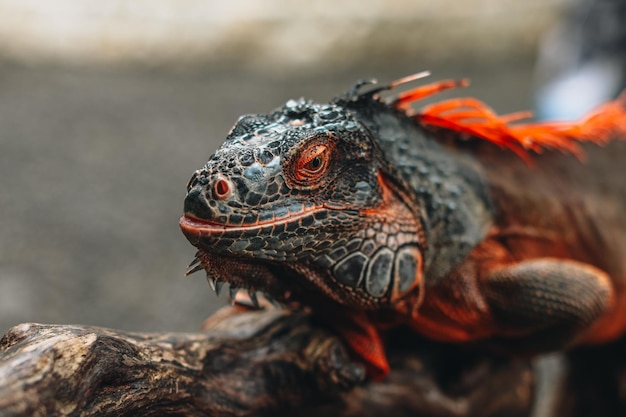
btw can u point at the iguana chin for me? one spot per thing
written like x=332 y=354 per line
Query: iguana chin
x=452 y=220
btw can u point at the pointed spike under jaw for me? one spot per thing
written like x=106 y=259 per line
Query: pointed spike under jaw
x=218 y=287
x=195 y=269
x=254 y=299
x=232 y=292
x=211 y=282
x=192 y=263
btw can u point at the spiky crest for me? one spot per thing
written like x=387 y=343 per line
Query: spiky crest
x=471 y=118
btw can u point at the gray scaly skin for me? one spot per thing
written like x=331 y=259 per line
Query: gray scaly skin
x=355 y=207
x=318 y=229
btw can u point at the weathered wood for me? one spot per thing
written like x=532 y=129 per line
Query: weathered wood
x=246 y=365
x=269 y=362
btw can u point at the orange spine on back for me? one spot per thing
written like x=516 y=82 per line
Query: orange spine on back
x=472 y=118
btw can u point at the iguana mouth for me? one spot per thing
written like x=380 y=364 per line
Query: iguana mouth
x=194 y=225
x=263 y=239
x=234 y=254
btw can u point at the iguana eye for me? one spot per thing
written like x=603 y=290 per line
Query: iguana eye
x=312 y=163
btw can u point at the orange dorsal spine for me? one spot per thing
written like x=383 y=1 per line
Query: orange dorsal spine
x=471 y=118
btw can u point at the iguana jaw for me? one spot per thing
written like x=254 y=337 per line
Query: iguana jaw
x=354 y=326
x=233 y=254
x=194 y=226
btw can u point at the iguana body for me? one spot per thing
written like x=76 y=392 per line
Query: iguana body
x=374 y=215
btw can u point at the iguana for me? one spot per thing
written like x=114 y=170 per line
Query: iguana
x=461 y=224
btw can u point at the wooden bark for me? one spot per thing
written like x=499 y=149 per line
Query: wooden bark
x=270 y=362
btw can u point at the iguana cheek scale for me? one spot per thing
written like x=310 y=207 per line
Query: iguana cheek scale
x=462 y=224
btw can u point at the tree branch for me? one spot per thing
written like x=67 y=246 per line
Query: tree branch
x=246 y=364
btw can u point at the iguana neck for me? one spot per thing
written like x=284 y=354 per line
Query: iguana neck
x=455 y=208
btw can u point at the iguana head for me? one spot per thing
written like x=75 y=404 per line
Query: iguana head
x=302 y=201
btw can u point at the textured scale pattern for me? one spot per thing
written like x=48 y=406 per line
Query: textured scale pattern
x=372 y=213
x=248 y=203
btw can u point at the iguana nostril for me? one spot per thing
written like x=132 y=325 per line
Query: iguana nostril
x=222 y=189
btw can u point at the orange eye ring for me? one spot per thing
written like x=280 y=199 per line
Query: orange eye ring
x=312 y=163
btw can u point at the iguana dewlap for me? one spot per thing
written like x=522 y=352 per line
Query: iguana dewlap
x=455 y=221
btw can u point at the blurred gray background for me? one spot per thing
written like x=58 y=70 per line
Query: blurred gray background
x=107 y=107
